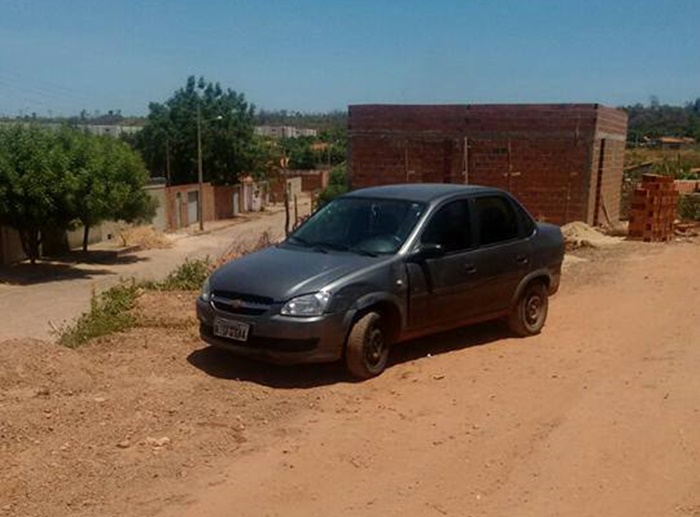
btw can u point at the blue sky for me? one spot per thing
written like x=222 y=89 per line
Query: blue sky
x=60 y=56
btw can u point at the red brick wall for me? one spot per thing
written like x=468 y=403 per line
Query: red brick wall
x=545 y=154
x=543 y=173
x=223 y=201
x=427 y=118
x=311 y=180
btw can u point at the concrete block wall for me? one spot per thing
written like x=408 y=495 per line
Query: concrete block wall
x=10 y=246
x=547 y=155
x=160 y=219
x=178 y=204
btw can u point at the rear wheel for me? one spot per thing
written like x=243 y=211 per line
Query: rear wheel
x=367 y=349
x=530 y=312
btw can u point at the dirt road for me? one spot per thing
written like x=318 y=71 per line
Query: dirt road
x=599 y=415
x=34 y=301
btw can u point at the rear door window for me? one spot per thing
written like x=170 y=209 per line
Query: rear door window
x=496 y=219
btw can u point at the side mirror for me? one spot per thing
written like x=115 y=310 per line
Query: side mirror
x=427 y=251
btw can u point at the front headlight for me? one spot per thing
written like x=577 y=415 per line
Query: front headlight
x=205 y=292
x=308 y=305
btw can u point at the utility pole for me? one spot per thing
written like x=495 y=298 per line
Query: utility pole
x=284 y=162
x=200 y=175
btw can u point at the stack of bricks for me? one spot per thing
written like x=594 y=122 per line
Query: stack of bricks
x=654 y=209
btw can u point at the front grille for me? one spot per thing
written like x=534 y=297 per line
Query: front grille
x=237 y=303
x=249 y=298
x=245 y=310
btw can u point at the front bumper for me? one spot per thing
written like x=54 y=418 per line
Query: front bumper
x=279 y=339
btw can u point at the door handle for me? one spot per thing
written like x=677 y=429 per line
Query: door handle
x=521 y=259
x=470 y=269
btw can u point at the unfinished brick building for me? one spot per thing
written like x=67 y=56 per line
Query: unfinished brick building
x=563 y=161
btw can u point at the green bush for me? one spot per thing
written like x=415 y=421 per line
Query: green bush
x=337 y=184
x=689 y=207
x=186 y=277
x=112 y=310
x=109 y=312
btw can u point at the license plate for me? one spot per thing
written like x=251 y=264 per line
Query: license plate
x=231 y=329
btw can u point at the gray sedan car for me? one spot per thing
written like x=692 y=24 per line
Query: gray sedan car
x=381 y=265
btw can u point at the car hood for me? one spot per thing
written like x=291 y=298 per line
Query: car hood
x=282 y=273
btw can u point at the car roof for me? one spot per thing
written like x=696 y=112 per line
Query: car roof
x=422 y=192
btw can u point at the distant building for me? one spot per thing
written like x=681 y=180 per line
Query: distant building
x=110 y=130
x=113 y=130
x=284 y=131
x=672 y=142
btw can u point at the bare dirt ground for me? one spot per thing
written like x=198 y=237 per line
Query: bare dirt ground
x=599 y=415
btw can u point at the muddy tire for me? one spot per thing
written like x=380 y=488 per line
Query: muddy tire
x=530 y=312
x=367 y=349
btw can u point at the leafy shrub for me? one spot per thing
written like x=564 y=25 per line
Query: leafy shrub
x=689 y=207
x=109 y=312
x=188 y=276
x=112 y=310
x=337 y=185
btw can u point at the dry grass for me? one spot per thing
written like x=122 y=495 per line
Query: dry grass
x=238 y=249
x=146 y=237
x=678 y=163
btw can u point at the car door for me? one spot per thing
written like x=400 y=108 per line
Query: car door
x=443 y=290
x=503 y=255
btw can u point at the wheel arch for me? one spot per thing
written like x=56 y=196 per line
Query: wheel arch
x=389 y=309
x=540 y=275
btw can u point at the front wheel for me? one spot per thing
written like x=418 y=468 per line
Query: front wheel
x=367 y=349
x=530 y=312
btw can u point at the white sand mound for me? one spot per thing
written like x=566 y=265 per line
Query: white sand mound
x=579 y=234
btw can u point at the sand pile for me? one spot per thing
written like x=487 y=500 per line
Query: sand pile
x=579 y=235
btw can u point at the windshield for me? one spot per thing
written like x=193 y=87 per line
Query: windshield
x=360 y=225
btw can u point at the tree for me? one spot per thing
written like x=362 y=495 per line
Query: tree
x=34 y=192
x=168 y=141
x=337 y=184
x=107 y=180
x=51 y=179
x=658 y=120
x=300 y=152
